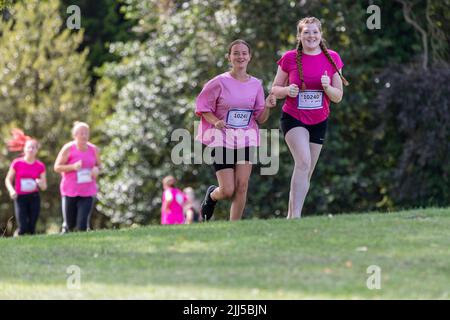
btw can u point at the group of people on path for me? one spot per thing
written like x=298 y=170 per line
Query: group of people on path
x=178 y=206
x=79 y=164
x=232 y=104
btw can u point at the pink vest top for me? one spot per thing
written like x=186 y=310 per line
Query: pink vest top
x=175 y=213
x=80 y=183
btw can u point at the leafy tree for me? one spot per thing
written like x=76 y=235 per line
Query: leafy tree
x=416 y=127
x=5 y=4
x=43 y=89
x=103 y=24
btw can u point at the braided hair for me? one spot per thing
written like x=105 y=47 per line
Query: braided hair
x=323 y=47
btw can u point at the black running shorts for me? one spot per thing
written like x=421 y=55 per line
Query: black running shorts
x=316 y=131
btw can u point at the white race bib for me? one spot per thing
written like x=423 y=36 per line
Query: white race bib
x=310 y=99
x=237 y=118
x=28 y=185
x=84 y=176
x=180 y=199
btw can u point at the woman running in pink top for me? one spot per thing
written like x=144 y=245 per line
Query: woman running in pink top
x=173 y=200
x=26 y=176
x=306 y=110
x=78 y=162
x=230 y=106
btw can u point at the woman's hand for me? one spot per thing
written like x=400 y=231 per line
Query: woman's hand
x=220 y=124
x=271 y=100
x=292 y=90
x=13 y=194
x=77 y=165
x=326 y=81
x=95 y=172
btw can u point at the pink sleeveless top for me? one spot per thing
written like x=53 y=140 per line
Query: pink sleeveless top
x=175 y=213
x=80 y=183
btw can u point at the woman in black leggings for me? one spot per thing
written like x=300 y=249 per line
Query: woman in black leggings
x=78 y=162
x=26 y=176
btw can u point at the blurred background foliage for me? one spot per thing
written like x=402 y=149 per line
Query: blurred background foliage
x=134 y=69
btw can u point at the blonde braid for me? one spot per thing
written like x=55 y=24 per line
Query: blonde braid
x=327 y=54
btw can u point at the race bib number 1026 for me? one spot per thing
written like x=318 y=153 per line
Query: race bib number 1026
x=239 y=118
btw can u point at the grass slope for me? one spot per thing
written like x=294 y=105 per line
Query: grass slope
x=311 y=258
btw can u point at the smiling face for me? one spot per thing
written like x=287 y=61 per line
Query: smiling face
x=239 y=56
x=31 y=148
x=310 y=35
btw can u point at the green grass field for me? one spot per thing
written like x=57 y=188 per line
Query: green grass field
x=312 y=258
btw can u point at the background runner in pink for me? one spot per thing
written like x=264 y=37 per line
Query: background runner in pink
x=79 y=164
x=25 y=170
x=25 y=179
x=70 y=185
x=173 y=200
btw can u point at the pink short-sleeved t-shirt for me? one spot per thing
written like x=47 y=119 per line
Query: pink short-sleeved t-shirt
x=238 y=104
x=26 y=175
x=315 y=107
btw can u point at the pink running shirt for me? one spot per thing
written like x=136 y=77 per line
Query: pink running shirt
x=174 y=215
x=314 y=67
x=26 y=175
x=80 y=183
x=238 y=104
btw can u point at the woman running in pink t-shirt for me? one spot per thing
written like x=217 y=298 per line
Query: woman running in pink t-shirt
x=231 y=105
x=78 y=162
x=173 y=200
x=26 y=176
x=306 y=110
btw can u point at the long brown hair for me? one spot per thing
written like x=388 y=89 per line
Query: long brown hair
x=323 y=47
x=239 y=41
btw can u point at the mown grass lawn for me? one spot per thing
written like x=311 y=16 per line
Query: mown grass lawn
x=312 y=258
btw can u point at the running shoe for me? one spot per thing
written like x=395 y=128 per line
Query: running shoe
x=208 y=204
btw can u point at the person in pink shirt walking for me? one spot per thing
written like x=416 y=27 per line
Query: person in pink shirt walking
x=173 y=200
x=25 y=177
x=79 y=163
x=309 y=77
x=230 y=106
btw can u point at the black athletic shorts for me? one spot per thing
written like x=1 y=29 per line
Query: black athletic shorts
x=222 y=161
x=316 y=131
